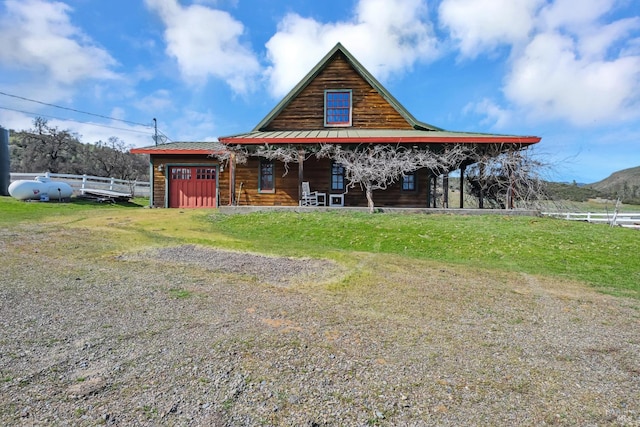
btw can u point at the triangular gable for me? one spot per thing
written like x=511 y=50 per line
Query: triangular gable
x=336 y=54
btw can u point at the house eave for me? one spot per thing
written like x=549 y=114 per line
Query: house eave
x=520 y=140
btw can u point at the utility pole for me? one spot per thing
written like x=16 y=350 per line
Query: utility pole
x=155 y=133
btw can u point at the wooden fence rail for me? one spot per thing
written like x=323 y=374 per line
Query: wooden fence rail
x=623 y=219
x=82 y=182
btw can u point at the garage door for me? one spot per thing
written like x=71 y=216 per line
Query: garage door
x=192 y=187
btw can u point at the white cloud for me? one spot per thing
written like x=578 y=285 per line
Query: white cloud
x=192 y=125
x=206 y=43
x=597 y=43
x=478 y=26
x=159 y=101
x=565 y=62
x=38 y=36
x=90 y=133
x=550 y=80
x=386 y=36
x=567 y=14
x=15 y=120
x=494 y=114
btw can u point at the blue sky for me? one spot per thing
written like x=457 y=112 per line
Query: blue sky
x=567 y=73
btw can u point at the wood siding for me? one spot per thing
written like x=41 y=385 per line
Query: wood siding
x=285 y=187
x=318 y=173
x=370 y=109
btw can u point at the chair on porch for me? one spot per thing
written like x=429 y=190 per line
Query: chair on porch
x=311 y=198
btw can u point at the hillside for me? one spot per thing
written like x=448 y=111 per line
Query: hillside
x=624 y=184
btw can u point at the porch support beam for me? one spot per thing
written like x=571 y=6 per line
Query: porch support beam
x=428 y=189
x=462 y=170
x=232 y=179
x=300 y=173
x=435 y=191
x=481 y=196
x=445 y=190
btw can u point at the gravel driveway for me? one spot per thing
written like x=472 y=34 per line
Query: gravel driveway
x=191 y=336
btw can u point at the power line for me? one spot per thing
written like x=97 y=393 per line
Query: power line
x=74 y=110
x=75 y=121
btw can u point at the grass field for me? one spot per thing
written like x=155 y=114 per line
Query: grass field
x=604 y=257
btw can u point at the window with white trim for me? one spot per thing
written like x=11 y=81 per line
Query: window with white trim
x=337 y=108
x=337 y=177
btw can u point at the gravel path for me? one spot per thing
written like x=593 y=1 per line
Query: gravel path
x=191 y=336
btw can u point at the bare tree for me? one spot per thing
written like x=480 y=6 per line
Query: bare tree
x=503 y=175
x=376 y=166
x=112 y=158
x=44 y=148
x=47 y=148
x=284 y=153
x=224 y=153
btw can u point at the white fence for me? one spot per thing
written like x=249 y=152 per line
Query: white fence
x=78 y=182
x=623 y=219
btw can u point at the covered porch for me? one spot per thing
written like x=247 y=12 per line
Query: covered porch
x=299 y=178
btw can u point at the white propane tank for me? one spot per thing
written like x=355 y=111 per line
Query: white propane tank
x=40 y=188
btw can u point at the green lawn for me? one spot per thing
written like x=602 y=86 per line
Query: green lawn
x=14 y=211
x=607 y=258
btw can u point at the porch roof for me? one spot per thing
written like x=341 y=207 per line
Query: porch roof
x=373 y=136
x=180 y=148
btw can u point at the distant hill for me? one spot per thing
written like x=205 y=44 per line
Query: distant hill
x=624 y=184
x=573 y=192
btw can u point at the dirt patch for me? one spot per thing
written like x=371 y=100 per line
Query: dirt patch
x=279 y=271
x=194 y=336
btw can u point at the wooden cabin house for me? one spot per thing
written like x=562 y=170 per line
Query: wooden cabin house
x=337 y=102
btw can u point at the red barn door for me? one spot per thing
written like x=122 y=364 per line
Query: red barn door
x=192 y=187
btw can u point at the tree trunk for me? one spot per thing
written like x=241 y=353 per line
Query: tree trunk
x=369 y=194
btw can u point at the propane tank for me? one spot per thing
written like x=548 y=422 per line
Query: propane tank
x=40 y=188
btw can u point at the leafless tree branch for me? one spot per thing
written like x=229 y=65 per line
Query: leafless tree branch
x=375 y=167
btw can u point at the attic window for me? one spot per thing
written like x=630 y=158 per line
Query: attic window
x=337 y=108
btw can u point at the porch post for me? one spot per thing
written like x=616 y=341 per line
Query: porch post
x=428 y=189
x=445 y=190
x=232 y=179
x=510 y=191
x=481 y=198
x=435 y=190
x=300 y=173
x=462 y=169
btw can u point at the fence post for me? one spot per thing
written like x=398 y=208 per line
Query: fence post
x=111 y=185
x=84 y=181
